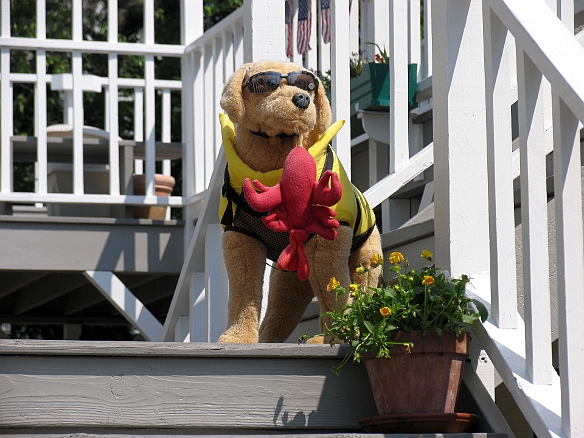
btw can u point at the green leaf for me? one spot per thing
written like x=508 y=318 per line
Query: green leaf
x=483 y=312
x=369 y=326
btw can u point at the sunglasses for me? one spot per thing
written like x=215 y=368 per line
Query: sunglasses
x=270 y=80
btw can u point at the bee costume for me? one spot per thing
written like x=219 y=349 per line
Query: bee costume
x=235 y=214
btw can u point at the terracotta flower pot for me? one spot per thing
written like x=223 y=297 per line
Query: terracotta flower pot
x=163 y=187
x=425 y=381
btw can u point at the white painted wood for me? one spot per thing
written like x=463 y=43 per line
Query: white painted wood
x=216 y=283
x=41 y=120
x=217 y=84
x=393 y=182
x=65 y=198
x=354 y=8
x=112 y=288
x=228 y=55
x=199 y=312
x=570 y=265
x=398 y=85
x=209 y=115
x=507 y=349
x=340 y=80
x=6 y=108
x=138 y=126
x=311 y=61
x=195 y=255
x=77 y=20
x=199 y=123
x=460 y=164
x=427 y=196
x=77 y=113
x=551 y=47
x=149 y=21
x=324 y=51
x=238 y=44
x=534 y=220
x=414 y=41
x=113 y=113
x=93 y=46
x=181 y=331
x=192 y=20
x=264 y=25
x=374 y=28
x=5 y=16
x=149 y=123
x=372 y=162
x=501 y=217
x=426 y=65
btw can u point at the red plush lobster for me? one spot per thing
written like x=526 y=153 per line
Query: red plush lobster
x=298 y=205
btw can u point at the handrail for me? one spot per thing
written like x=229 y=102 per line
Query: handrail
x=236 y=17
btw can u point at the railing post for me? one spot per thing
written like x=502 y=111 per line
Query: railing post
x=460 y=163
x=499 y=141
x=265 y=30
x=534 y=224
x=340 y=80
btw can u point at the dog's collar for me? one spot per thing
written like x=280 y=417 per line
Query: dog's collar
x=264 y=135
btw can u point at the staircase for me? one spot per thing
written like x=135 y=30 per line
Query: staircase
x=71 y=388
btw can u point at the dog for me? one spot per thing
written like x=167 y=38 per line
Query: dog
x=275 y=106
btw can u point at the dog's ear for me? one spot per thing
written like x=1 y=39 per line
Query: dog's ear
x=323 y=110
x=231 y=98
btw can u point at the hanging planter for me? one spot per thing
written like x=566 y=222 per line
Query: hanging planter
x=371 y=88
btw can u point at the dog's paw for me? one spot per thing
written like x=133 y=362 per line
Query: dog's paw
x=315 y=340
x=238 y=338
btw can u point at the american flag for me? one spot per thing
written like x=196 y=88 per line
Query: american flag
x=289 y=32
x=304 y=25
x=325 y=20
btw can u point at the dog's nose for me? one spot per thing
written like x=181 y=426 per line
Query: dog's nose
x=301 y=100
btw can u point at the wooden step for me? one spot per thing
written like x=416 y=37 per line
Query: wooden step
x=55 y=388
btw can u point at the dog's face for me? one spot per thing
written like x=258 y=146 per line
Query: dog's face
x=277 y=97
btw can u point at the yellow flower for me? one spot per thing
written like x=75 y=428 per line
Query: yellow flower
x=396 y=258
x=376 y=260
x=353 y=287
x=428 y=280
x=427 y=255
x=385 y=311
x=333 y=284
x=360 y=270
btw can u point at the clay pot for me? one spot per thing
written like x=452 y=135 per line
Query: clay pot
x=425 y=381
x=163 y=186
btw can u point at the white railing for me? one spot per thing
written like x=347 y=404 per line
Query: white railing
x=145 y=93
x=527 y=45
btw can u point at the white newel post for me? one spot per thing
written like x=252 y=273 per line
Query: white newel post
x=461 y=221
x=265 y=30
x=460 y=163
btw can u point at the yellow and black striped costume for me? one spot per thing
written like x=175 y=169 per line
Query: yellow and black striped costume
x=235 y=214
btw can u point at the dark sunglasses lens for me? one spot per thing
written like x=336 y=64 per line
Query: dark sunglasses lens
x=264 y=82
x=303 y=80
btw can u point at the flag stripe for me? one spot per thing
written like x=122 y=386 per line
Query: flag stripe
x=304 y=25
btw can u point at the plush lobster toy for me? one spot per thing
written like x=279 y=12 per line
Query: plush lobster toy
x=298 y=205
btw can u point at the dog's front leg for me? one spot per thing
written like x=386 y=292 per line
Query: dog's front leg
x=245 y=260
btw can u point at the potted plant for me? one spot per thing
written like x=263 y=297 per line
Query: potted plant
x=370 y=83
x=410 y=334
